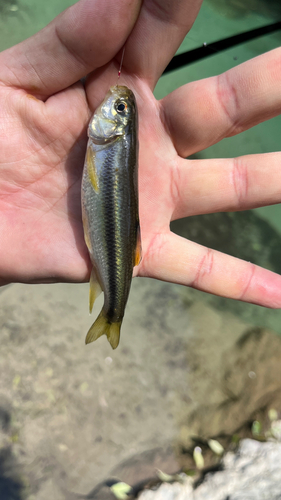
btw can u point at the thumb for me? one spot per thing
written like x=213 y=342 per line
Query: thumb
x=81 y=39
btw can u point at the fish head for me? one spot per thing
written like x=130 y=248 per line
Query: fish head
x=113 y=116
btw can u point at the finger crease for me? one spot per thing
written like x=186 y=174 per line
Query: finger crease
x=240 y=181
x=246 y=288
x=205 y=268
x=157 y=9
x=35 y=71
x=152 y=254
x=228 y=101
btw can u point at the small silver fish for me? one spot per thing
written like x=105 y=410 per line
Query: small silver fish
x=110 y=208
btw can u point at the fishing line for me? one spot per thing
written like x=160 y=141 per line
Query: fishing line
x=121 y=62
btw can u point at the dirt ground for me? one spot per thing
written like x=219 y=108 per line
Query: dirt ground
x=73 y=412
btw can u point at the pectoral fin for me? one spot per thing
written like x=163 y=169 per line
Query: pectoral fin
x=95 y=289
x=138 y=254
x=91 y=166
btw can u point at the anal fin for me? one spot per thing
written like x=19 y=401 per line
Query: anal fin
x=95 y=289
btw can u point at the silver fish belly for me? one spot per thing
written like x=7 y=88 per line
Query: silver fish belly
x=110 y=208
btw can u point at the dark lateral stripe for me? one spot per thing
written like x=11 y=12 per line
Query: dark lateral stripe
x=210 y=49
x=110 y=233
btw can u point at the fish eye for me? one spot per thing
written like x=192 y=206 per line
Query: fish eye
x=120 y=107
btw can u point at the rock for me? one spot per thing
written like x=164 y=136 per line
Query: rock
x=234 y=376
x=143 y=466
x=252 y=473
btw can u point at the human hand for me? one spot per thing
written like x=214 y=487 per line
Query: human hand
x=44 y=115
x=42 y=212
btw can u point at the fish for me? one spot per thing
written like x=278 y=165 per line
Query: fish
x=110 y=208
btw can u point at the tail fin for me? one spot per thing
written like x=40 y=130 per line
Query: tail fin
x=102 y=326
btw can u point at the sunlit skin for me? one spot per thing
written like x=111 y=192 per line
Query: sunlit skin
x=43 y=120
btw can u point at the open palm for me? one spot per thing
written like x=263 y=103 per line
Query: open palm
x=44 y=115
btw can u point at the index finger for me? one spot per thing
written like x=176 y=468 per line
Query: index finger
x=159 y=31
x=81 y=39
x=204 y=112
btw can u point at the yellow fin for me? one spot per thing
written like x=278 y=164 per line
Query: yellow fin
x=138 y=254
x=86 y=233
x=103 y=327
x=91 y=166
x=95 y=289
